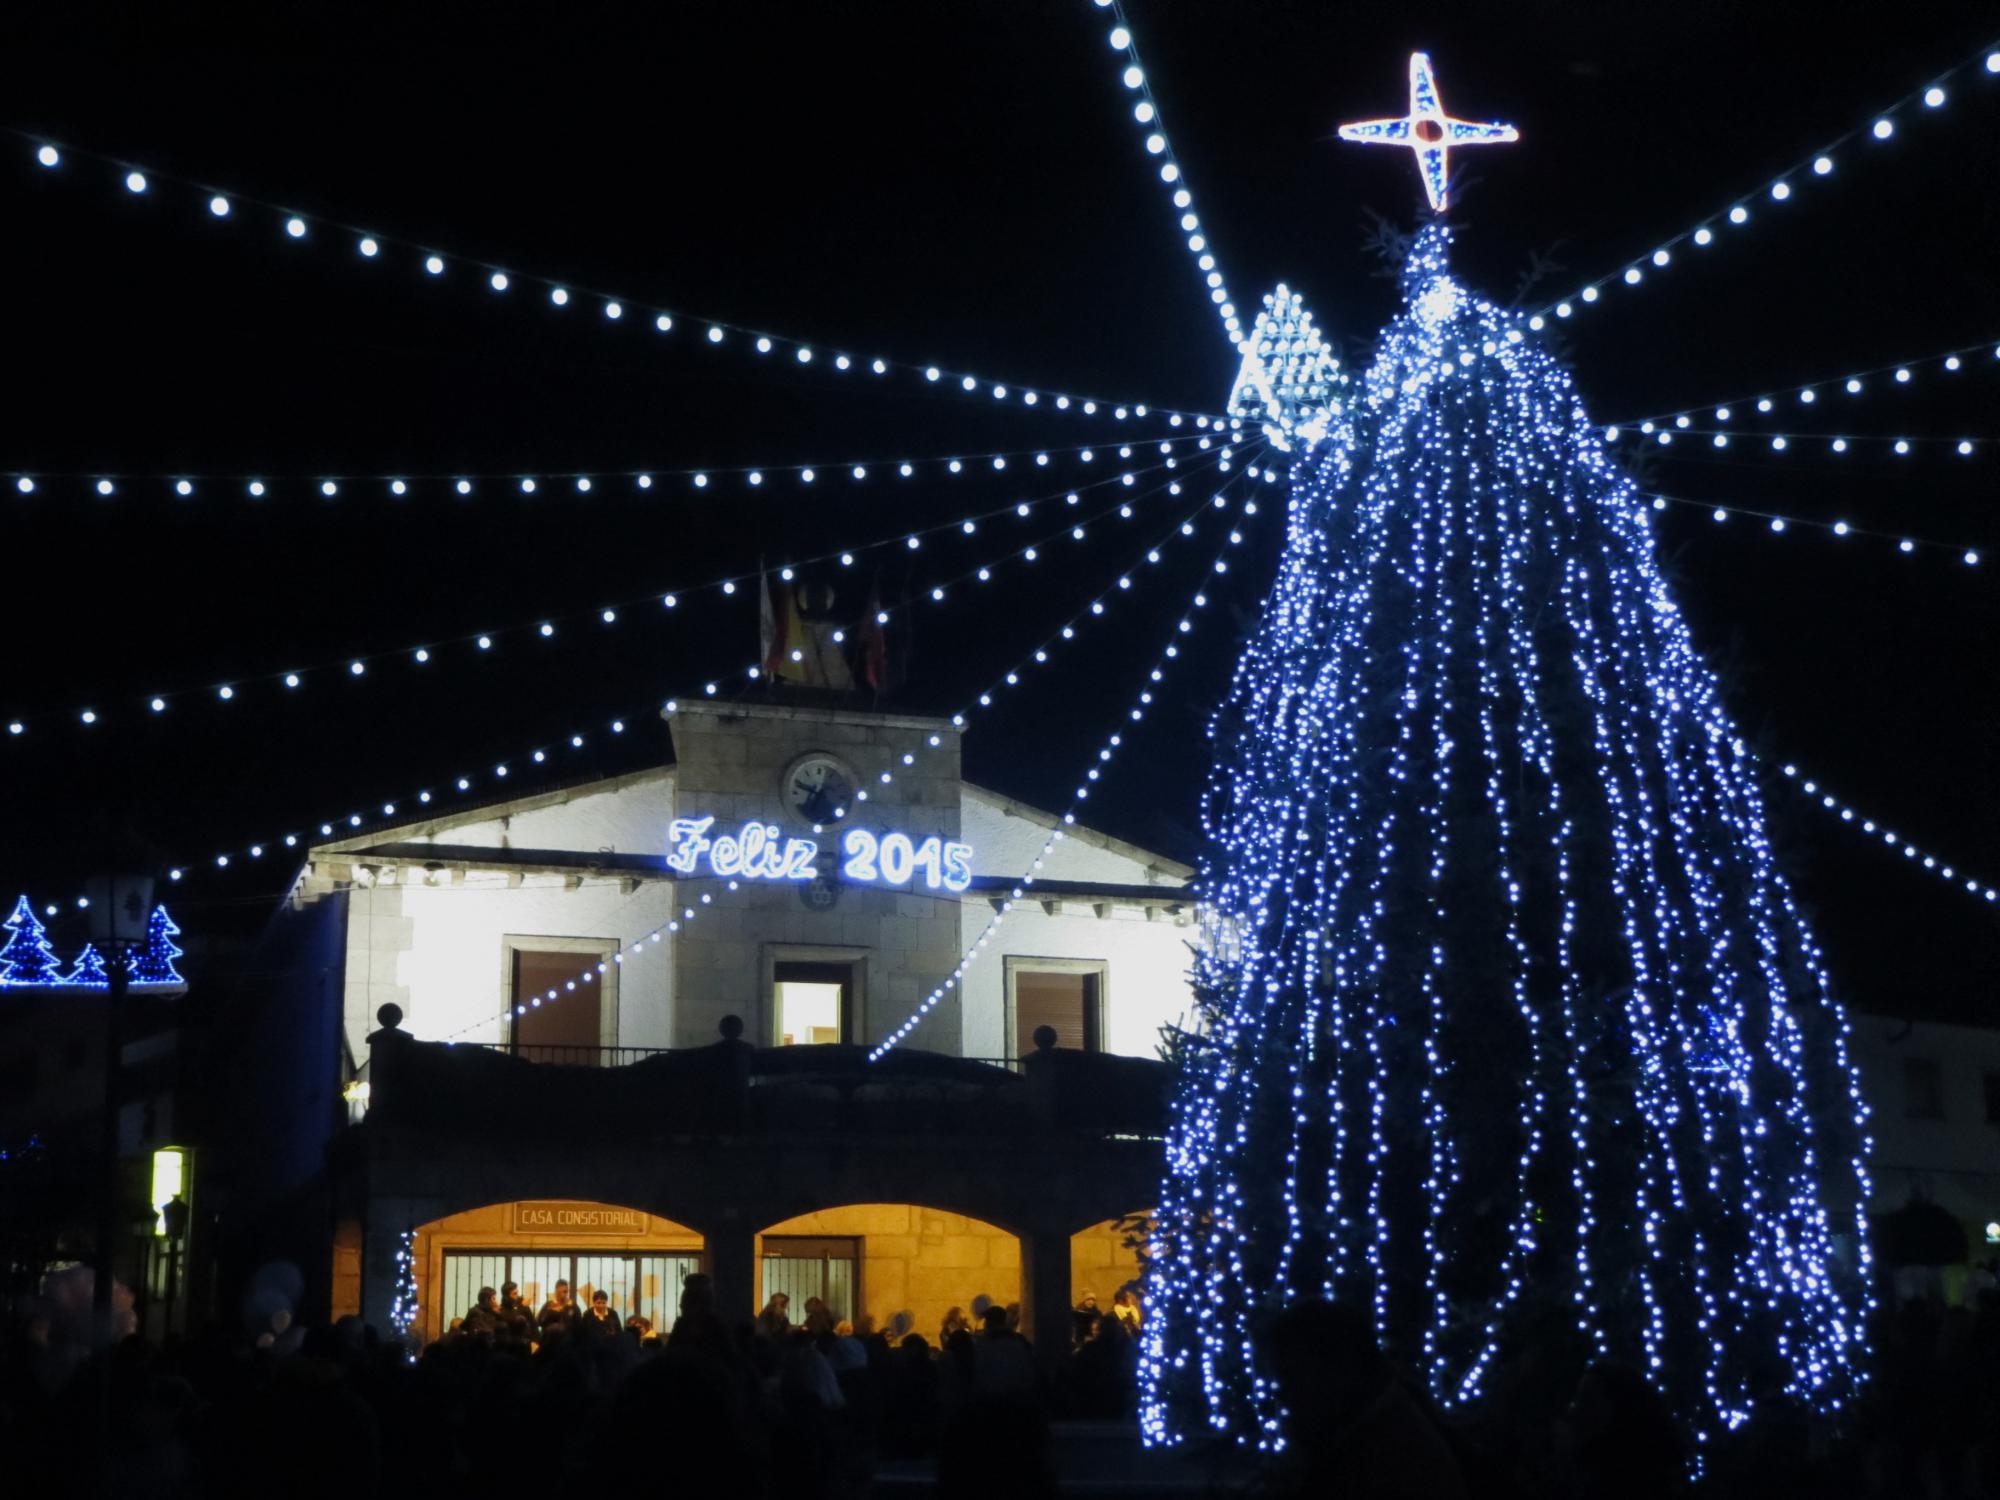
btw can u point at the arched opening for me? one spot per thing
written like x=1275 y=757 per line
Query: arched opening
x=637 y=1259
x=1104 y=1260
x=890 y=1262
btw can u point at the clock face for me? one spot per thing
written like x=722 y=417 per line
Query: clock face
x=819 y=789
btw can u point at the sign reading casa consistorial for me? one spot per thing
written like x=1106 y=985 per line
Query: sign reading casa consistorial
x=760 y=851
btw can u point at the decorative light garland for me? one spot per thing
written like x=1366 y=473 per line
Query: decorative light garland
x=1838 y=390
x=470 y=783
x=403 y=1298
x=549 y=627
x=1037 y=655
x=461 y=484
x=1483 y=834
x=614 y=309
x=1969 y=556
x=1092 y=774
x=1793 y=444
x=1868 y=826
x=1146 y=114
x=1813 y=167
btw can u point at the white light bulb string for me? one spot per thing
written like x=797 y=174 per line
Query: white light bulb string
x=1968 y=556
x=1793 y=444
x=462 y=484
x=1146 y=114
x=550 y=627
x=429 y=264
x=1901 y=373
x=1833 y=806
x=1815 y=166
x=1102 y=757
x=689 y=913
x=468 y=784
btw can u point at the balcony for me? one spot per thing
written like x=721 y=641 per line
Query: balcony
x=732 y=1088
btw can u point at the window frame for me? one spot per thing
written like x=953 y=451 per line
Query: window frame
x=857 y=961
x=603 y=950
x=1015 y=964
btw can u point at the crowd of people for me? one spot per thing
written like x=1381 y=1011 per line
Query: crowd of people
x=521 y=1401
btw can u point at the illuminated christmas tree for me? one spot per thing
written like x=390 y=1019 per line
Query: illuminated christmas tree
x=27 y=956
x=1509 y=1013
x=89 y=971
x=153 y=963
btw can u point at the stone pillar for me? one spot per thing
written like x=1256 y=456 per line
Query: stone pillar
x=732 y=1262
x=1045 y=1293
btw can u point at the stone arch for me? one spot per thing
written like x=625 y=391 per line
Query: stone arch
x=637 y=1256
x=915 y=1258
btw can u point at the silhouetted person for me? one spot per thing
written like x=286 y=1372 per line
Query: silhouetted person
x=517 y=1319
x=775 y=1321
x=483 y=1320
x=1620 y=1438
x=1352 y=1430
x=600 y=1322
x=910 y=1403
x=559 y=1314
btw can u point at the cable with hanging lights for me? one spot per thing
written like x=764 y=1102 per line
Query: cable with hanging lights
x=372 y=247
x=1902 y=373
x=1796 y=443
x=1814 y=166
x=470 y=783
x=1102 y=756
x=1969 y=556
x=548 y=627
x=464 y=483
x=1095 y=607
x=1146 y=112
x=1832 y=804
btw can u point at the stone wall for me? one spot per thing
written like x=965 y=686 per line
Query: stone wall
x=916 y=1260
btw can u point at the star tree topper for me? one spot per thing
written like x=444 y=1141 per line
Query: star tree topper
x=1428 y=130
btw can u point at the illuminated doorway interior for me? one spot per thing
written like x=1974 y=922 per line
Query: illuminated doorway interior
x=886 y=1259
x=638 y=1259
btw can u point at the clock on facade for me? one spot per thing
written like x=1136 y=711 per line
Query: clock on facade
x=819 y=787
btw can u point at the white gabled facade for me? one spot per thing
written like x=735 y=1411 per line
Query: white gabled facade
x=439 y=913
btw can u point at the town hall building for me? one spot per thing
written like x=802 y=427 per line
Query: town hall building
x=620 y=1031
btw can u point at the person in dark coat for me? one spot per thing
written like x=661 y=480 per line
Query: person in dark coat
x=483 y=1321
x=600 y=1322
x=517 y=1319
x=559 y=1315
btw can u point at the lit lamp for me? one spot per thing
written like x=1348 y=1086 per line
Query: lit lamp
x=1993 y=1231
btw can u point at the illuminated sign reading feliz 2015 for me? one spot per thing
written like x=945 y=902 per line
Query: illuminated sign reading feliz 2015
x=760 y=851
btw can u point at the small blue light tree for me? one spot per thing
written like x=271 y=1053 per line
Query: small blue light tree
x=27 y=956
x=89 y=971
x=153 y=963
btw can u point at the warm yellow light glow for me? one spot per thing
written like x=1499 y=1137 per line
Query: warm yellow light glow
x=169 y=1178
x=356 y=1092
x=808 y=1014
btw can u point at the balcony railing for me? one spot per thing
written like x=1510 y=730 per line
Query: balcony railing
x=567 y=1056
x=732 y=1087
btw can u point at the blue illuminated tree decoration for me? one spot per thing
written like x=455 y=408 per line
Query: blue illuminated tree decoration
x=27 y=957
x=89 y=971
x=153 y=961
x=1508 y=1011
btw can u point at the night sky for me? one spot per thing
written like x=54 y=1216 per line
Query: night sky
x=955 y=183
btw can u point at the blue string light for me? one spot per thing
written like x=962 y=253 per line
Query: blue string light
x=1508 y=1012
x=1146 y=115
x=435 y=267
x=1814 y=167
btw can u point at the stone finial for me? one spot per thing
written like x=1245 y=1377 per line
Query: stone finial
x=731 y=1028
x=390 y=1016
x=1045 y=1039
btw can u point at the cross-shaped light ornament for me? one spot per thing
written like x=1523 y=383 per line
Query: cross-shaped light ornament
x=1428 y=131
